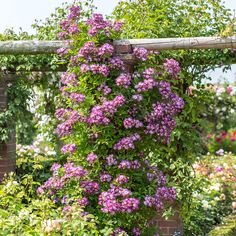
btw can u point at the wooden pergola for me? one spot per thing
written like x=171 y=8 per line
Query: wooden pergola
x=124 y=50
x=33 y=47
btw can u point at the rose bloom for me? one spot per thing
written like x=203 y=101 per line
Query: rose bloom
x=211 y=176
x=222 y=197
x=234 y=205
x=234 y=193
x=223 y=178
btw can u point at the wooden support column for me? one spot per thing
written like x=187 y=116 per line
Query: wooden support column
x=8 y=149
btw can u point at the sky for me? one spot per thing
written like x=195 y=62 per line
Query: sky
x=22 y=13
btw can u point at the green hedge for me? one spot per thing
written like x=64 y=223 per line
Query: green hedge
x=227 y=228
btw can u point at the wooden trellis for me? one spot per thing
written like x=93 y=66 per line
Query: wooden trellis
x=123 y=49
x=47 y=47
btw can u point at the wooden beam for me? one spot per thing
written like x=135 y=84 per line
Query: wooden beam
x=181 y=43
x=30 y=47
x=49 y=47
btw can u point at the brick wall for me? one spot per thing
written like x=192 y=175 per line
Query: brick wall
x=8 y=149
x=171 y=226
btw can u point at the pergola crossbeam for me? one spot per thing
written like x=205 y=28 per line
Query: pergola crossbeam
x=49 y=47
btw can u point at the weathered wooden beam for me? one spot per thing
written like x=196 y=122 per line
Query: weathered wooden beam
x=30 y=47
x=50 y=47
x=180 y=43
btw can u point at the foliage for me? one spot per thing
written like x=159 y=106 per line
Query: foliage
x=36 y=159
x=185 y=18
x=222 y=107
x=22 y=213
x=227 y=228
x=216 y=196
x=43 y=81
x=223 y=141
x=19 y=93
x=112 y=122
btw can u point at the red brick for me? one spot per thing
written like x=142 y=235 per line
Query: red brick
x=172 y=230
x=164 y=230
x=122 y=49
x=168 y=223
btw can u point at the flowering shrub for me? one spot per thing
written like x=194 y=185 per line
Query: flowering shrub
x=112 y=121
x=215 y=198
x=221 y=106
x=223 y=141
x=35 y=159
x=22 y=213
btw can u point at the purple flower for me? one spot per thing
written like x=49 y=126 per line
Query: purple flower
x=130 y=205
x=64 y=24
x=64 y=129
x=84 y=68
x=111 y=161
x=137 y=97
x=172 y=67
x=219 y=168
x=61 y=113
x=124 y=80
x=148 y=73
x=91 y=158
x=106 y=50
x=136 y=231
x=118 y=25
x=125 y=165
x=105 y=89
x=73 y=29
x=74 y=12
x=164 y=89
x=220 y=152
x=140 y=53
x=132 y=123
x=55 y=167
x=122 y=179
x=69 y=79
x=90 y=187
x=105 y=177
x=69 y=148
x=88 y=50
x=116 y=63
x=62 y=35
x=98 y=24
x=127 y=142
x=66 y=208
x=145 y=85
x=83 y=201
x=40 y=191
x=62 y=51
x=77 y=97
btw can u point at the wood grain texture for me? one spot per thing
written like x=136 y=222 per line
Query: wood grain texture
x=50 y=47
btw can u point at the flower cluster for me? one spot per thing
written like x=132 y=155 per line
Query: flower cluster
x=123 y=112
x=117 y=200
x=124 y=80
x=132 y=123
x=141 y=53
x=69 y=148
x=57 y=182
x=98 y=113
x=172 y=67
x=127 y=142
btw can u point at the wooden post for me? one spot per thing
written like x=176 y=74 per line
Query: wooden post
x=8 y=149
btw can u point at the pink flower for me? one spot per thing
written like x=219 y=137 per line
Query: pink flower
x=91 y=158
